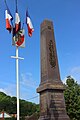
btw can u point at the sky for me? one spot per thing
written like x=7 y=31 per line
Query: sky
x=65 y=15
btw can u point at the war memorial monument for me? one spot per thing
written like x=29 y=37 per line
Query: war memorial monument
x=52 y=103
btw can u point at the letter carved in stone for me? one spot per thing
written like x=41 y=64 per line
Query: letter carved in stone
x=52 y=57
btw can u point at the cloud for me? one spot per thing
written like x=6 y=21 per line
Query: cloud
x=75 y=72
x=27 y=80
x=27 y=87
x=3 y=90
x=64 y=80
x=10 y=89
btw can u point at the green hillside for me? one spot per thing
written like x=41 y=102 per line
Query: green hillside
x=8 y=104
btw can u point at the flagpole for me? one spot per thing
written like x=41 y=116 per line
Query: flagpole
x=17 y=80
x=16 y=5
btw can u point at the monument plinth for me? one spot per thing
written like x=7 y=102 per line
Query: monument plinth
x=52 y=103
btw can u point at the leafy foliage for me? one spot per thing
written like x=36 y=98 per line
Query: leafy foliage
x=72 y=98
x=9 y=104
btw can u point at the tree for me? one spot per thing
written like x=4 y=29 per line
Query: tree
x=72 y=98
x=9 y=105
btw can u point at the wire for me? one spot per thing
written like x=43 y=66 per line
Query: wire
x=33 y=97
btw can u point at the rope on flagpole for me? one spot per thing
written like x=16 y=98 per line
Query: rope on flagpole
x=6 y=5
x=5 y=2
x=16 y=5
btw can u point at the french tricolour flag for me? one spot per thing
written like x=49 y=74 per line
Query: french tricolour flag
x=8 y=18
x=29 y=24
x=17 y=22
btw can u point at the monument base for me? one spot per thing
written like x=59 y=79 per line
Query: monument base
x=65 y=117
x=52 y=103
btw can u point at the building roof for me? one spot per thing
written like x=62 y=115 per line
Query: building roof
x=5 y=115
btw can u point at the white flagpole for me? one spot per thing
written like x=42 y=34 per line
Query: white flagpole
x=17 y=80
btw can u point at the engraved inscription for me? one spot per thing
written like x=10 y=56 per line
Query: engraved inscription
x=49 y=27
x=52 y=57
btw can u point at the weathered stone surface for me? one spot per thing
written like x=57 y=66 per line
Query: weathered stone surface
x=52 y=103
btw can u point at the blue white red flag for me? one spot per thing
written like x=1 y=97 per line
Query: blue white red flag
x=8 y=18
x=17 y=22
x=29 y=24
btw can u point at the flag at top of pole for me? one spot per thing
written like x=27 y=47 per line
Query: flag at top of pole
x=18 y=38
x=29 y=24
x=8 y=18
x=17 y=20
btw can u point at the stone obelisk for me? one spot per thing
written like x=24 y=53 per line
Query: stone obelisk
x=52 y=103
